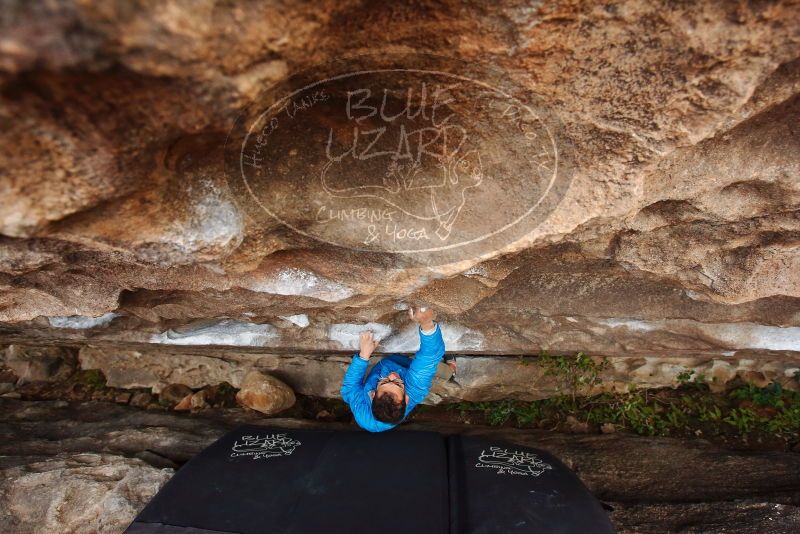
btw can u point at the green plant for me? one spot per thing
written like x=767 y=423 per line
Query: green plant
x=466 y=406
x=676 y=418
x=769 y=409
x=689 y=378
x=742 y=419
x=528 y=412
x=785 y=422
x=93 y=378
x=500 y=412
x=772 y=395
x=685 y=376
x=642 y=416
x=710 y=413
x=575 y=373
x=225 y=388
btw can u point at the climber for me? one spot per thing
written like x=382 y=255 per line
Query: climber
x=396 y=384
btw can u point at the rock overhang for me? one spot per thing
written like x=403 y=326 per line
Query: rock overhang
x=677 y=231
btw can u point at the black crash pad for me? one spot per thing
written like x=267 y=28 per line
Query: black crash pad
x=259 y=479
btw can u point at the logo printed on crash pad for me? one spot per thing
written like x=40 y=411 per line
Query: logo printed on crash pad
x=267 y=446
x=512 y=462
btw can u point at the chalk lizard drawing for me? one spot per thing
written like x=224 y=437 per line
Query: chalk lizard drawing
x=403 y=184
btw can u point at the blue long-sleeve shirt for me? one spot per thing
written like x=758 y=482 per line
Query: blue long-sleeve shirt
x=417 y=373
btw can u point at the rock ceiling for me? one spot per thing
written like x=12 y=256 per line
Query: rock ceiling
x=673 y=226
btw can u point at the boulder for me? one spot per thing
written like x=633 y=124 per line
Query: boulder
x=47 y=363
x=200 y=399
x=141 y=399
x=265 y=393
x=87 y=492
x=185 y=404
x=174 y=393
x=142 y=368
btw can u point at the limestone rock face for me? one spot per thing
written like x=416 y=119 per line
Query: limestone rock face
x=39 y=363
x=672 y=228
x=480 y=378
x=76 y=493
x=264 y=393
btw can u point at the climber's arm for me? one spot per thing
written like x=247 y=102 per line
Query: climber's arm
x=423 y=367
x=353 y=386
x=353 y=379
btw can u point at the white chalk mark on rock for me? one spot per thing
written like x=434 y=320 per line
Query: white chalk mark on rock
x=456 y=337
x=221 y=332
x=300 y=319
x=732 y=335
x=304 y=283
x=82 y=322
x=347 y=334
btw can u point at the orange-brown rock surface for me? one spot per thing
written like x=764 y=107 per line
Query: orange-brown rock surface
x=677 y=232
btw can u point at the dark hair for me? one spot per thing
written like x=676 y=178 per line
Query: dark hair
x=385 y=409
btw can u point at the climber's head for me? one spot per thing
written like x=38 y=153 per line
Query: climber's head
x=389 y=402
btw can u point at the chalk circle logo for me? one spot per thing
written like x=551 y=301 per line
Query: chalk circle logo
x=512 y=462
x=267 y=446
x=431 y=159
